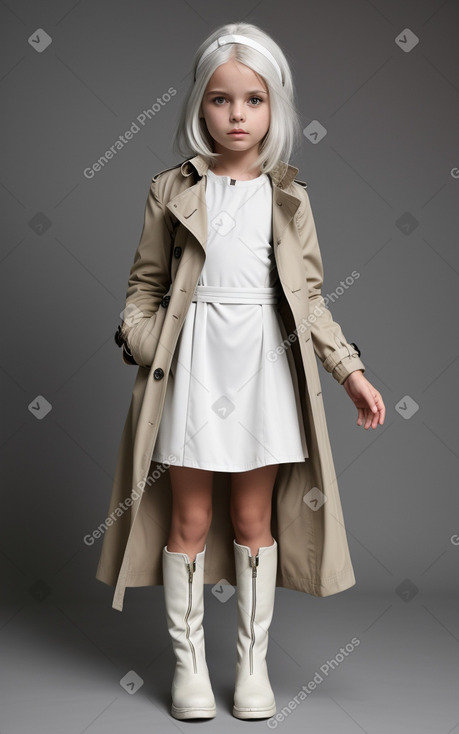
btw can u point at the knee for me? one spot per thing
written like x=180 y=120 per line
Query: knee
x=250 y=522
x=192 y=524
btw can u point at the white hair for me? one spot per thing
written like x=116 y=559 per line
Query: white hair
x=284 y=134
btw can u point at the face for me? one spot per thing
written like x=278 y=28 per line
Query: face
x=235 y=97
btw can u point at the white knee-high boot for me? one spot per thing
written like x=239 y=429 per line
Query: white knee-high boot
x=192 y=695
x=256 y=585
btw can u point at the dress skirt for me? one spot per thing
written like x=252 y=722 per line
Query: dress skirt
x=230 y=402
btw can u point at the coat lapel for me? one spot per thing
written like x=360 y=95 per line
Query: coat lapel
x=285 y=206
x=189 y=206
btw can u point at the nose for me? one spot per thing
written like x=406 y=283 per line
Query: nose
x=236 y=113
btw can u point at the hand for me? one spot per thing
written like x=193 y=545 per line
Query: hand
x=366 y=398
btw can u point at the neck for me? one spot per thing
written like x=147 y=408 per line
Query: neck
x=235 y=164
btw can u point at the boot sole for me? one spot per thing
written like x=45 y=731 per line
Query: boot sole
x=192 y=713
x=254 y=713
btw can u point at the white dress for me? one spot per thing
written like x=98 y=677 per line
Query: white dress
x=229 y=406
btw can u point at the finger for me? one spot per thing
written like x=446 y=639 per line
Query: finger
x=375 y=405
x=368 y=419
x=381 y=407
x=371 y=418
x=374 y=415
x=369 y=397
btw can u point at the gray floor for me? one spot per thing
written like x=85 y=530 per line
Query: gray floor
x=63 y=658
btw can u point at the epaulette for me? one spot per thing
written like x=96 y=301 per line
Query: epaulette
x=167 y=169
x=302 y=183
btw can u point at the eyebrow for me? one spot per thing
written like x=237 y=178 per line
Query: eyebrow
x=253 y=91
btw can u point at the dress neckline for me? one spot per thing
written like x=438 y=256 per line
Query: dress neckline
x=228 y=181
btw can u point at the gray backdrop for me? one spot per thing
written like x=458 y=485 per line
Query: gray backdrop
x=382 y=79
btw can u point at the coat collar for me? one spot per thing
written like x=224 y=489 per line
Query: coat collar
x=281 y=175
x=188 y=206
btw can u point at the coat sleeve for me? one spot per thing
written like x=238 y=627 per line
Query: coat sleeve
x=149 y=279
x=336 y=354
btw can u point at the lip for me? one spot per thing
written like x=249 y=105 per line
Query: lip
x=237 y=132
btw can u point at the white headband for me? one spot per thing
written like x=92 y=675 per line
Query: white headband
x=222 y=40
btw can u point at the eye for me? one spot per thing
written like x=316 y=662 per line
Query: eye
x=259 y=99
x=216 y=98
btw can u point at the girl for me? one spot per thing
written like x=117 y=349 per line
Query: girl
x=234 y=399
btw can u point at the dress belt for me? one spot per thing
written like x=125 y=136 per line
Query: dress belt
x=221 y=294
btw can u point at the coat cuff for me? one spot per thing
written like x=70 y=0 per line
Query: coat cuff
x=341 y=362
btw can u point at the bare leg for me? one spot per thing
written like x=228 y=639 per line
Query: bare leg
x=191 y=509
x=251 y=494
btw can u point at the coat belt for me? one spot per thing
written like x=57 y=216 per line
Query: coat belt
x=221 y=294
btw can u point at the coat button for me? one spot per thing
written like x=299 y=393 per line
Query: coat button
x=177 y=251
x=158 y=374
x=165 y=301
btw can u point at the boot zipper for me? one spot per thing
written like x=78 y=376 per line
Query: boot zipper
x=254 y=563
x=191 y=569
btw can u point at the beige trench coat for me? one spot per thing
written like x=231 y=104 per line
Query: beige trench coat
x=313 y=553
